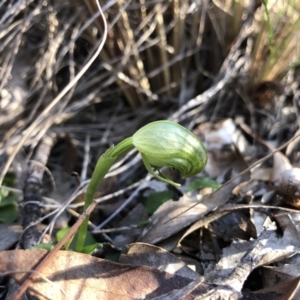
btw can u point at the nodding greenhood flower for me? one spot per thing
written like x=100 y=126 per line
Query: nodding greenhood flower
x=161 y=144
x=168 y=144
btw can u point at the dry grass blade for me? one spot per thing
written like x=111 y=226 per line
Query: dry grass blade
x=55 y=101
x=280 y=50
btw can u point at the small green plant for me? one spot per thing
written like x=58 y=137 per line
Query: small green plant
x=156 y=199
x=8 y=201
x=161 y=144
x=201 y=183
x=270 y=30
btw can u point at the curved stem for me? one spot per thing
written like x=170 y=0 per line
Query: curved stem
x=103 y=165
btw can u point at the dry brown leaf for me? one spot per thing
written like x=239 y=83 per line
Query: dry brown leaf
x=263 y=174
x=258 y=218
x=218 y=140
x=239 y=259
x=286 y=180
x=287 y=225
x=196 y=287
x=137 y=215
x=282 y=277
x=171 y=242
x=220 y=213
x=287 y=185
x=275 y=275
x=170 y=218
x=141 y=254
x=85 y=277
x=281 y=163
x=252 y=188
x=283 y=291
x=9 y=235
x=199 y=290
x=236 y=225
x=220 y=196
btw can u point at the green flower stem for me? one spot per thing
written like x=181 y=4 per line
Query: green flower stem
x=161 y=144
x=103 y=165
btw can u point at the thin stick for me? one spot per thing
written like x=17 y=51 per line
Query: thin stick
x=86 y=158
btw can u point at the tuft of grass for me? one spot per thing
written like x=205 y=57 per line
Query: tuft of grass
x=275 y=55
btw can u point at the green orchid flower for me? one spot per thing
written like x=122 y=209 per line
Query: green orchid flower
x=161 y=144
x=167 y=144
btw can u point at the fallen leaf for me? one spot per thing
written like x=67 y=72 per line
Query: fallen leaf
x=171 y=242
x=286 y=180
x=209 y=219
x=236 y=225
x=9 y=235
x=136 y=216
x=218 y=140
x=240 y=258
x=274 y=275
x=141 y=254
x=287 y=185
x=170 y=218
x=82 y=276
x=283 y=291
x=261 y=173
x=199 y=290
x=195 y=288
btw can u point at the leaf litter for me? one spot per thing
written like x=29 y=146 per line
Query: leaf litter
x=86 y=277
x=239 y=241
